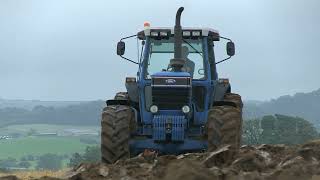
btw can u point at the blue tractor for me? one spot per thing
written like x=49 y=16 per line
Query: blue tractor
x=177 y=103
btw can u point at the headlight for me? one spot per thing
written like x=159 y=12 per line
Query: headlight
x=154 y=109
x=186 y=109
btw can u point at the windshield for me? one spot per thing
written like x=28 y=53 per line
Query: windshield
x=162 y=50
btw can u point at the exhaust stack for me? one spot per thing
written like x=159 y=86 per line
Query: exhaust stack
x=177 y=62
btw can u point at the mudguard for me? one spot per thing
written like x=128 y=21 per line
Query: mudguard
x=224 y=103
x=133 y=91
x=220 y=89
x=117 y=102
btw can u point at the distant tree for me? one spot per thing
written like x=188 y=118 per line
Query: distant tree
x=293 y=130
x=91 y=155
x=50 y=162
x=251 y=132
x=75 y=160
x=269 y=131
x=24 y=164
x=31 y=132
x=23 y=158
x=278 y=129
x=30 y=157
x=65 y=156
x=15 y=135
x=7 y=163
x=89 y=140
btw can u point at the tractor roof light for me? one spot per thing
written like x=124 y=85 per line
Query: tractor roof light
x=146 y=25
x=186 y=33
x=196 y=33
x=154 y=34
x=186 y=109
x=163 y=33
x=154 y=109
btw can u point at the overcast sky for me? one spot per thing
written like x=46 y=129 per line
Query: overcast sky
x=65 y=49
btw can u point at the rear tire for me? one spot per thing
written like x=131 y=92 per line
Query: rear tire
x=235 y=98
x=225 y=124
x=115 y=133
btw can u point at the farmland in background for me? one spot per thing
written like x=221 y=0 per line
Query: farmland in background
x=35 y=140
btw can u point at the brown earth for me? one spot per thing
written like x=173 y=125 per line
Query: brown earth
x=264 y=162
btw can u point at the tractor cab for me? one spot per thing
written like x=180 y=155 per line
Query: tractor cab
x=159 y=50
x=185 y=91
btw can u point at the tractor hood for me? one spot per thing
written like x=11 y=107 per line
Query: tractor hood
x=171 y=79
x=171 y=74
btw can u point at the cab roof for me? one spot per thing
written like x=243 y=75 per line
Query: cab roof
x=186 y=31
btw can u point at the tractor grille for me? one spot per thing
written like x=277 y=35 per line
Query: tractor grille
x=173 y=95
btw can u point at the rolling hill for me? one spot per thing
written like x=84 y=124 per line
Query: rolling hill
x=305 y=105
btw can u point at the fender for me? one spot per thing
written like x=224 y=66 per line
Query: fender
x=123 y=102
x=224 y=103
x=117 y=102
x=220 y=90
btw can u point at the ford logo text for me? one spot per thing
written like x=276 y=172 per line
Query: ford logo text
x=170 y=81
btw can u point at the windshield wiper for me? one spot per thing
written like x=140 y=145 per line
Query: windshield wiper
x=193 y=47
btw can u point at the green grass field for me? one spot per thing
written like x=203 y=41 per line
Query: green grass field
x=17 y=148
x=32 y=144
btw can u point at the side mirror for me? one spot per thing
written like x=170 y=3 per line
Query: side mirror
x=121 y=48
x=230 y=48
x=201 y=71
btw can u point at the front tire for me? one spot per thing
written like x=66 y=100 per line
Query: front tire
x=236 y=98
x=115 y=133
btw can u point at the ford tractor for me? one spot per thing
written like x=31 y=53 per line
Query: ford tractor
x=176 y=103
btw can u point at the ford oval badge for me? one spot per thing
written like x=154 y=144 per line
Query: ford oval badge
x=170 y=81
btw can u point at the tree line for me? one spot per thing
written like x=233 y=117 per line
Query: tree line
x=278 y=129
x=81 y=114
x=305 y=105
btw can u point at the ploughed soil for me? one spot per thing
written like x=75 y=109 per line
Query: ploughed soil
x=263 y=162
